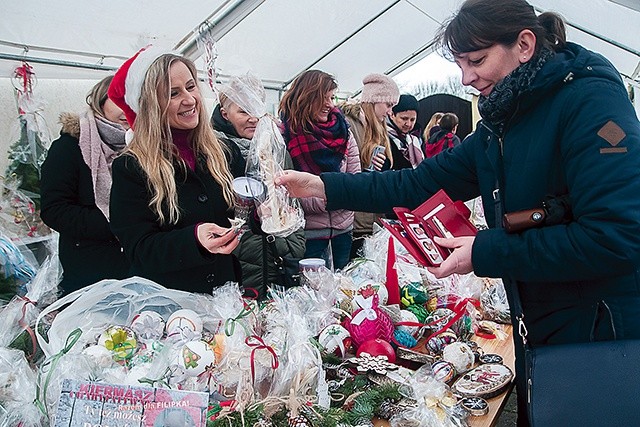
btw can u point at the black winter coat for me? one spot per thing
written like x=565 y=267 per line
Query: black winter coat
x=88 y=250
x=170 y=254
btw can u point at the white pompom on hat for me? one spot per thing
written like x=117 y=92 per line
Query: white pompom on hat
x=126 y=87
x=379 y=88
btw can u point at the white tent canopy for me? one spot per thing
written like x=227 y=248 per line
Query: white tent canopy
x=275 y=39
x=72 y=44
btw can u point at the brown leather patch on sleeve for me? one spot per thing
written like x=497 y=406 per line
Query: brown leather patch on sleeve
x=612 y=133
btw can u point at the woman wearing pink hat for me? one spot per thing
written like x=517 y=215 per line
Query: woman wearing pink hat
x=171 y=197
x=367 y=121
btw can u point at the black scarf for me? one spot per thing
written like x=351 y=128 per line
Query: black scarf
x=498 y=107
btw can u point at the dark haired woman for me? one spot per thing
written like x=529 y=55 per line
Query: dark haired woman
x=319 y=140
x=557 y=122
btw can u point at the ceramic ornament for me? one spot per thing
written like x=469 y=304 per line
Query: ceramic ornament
x=437 y=343
x=196 y=357
x=335 y=339
x=459 y=355
x=99 y=355
x=407 y=316
x=184 y=325
x=443 y=371
x=121 y=341
x=367 y=289
x=377 y=347
x=413 y=293
x=439 y=317
x=148 y=325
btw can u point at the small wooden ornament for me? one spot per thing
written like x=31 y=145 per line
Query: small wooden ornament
x=476 y=406
x=368 y=363
x=490 y=358
x=485 y=381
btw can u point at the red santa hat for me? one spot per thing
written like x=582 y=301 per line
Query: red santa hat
x=126 y=87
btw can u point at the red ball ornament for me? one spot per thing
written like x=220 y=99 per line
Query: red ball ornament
x=378 y=347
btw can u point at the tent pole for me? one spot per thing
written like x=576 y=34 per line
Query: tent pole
x=58 y=62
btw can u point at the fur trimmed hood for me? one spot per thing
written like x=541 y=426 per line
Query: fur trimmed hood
x=70 y=124
x=351 y=110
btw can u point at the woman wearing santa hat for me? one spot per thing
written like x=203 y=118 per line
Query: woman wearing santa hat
x=171 y=197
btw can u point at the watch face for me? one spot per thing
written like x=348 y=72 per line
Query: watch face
x=476 y=406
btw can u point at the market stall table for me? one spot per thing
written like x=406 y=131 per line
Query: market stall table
x=496 y=404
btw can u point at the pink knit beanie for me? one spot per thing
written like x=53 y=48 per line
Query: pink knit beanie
x=379 y=88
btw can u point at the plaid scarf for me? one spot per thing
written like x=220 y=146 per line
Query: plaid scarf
x=323 y=149
x=501 y=103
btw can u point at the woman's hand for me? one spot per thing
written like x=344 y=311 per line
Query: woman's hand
x=460 y=259
x=302 y=184
x=378 y=161
x=216 y=239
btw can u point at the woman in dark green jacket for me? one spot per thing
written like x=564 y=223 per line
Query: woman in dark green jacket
x=556 y=121
x=263 y=258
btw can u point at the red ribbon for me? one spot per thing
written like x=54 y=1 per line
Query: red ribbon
x=459 y=308
x=258 y=344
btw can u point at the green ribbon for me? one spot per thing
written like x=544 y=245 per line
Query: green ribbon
x=230 y=324
x=49 y=365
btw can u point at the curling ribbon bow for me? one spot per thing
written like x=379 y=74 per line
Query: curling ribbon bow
x=230 y=323
x=367 y=312
x=258 y=344
x=25 y=326
x=48 y=368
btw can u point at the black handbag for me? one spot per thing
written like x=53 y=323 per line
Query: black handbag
x=595 y=383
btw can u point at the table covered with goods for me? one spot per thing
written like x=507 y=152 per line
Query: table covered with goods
x=382 y=342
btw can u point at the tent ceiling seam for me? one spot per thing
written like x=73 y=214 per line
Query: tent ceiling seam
x=343 y=41
x=596 y=35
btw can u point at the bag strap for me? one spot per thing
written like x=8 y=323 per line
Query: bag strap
x=277 y=259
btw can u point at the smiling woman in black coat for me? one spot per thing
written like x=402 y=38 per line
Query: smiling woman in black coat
x=171 y=198
x=75 y=191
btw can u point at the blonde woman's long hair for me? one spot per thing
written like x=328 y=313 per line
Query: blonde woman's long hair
x=153 y=146
x=375 y=133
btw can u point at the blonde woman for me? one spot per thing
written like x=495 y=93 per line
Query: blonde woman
x=171 y=197
x=433 y=126
x=367 y=121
